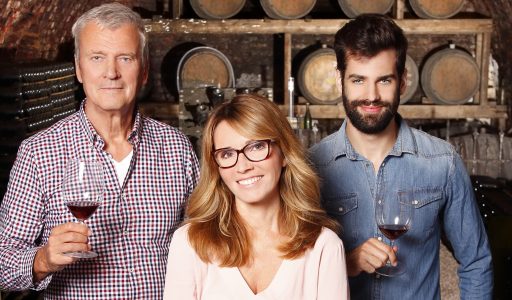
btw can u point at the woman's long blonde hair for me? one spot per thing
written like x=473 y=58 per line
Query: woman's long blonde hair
x=216 y=230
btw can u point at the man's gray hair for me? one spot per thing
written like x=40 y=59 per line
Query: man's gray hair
x=112 y=16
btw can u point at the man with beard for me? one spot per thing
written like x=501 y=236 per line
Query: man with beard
x=377 y=159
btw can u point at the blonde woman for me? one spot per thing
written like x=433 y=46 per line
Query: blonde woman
x=255 y=228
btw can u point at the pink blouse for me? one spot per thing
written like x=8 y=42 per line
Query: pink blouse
x=319 y=274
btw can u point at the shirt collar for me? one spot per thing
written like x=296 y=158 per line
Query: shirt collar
x=405 y=141
x=95 y=138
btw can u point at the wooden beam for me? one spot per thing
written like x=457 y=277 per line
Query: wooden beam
x=398 y=9
x=177 y=9
x=163 y=110
x=414 y=111
x=308 y=26
x=484 y=68
x=287 y=67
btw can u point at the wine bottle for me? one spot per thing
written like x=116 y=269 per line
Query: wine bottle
x=307 y=118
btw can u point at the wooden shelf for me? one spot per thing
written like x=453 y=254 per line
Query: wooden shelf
x=308 y=26
x=481 y=28
x=162 y=109
x=412 y=111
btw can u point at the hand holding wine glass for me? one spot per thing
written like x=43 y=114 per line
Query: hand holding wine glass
x=393 y=219
x=83 y=190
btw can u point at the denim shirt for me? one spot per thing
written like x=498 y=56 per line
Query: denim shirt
x=426 y=173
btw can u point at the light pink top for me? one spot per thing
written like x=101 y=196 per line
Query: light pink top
x=319 y=274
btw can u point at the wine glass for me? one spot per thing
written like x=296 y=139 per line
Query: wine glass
x=83 y=190
x=393 y=219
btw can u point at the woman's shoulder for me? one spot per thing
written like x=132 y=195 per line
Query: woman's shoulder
x=183 y=228
x=180 y=236
x=181 y=231
x=328 y=238
x=181 y=247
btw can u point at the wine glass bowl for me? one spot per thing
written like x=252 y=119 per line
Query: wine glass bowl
x=83 y=190
x=393 y=220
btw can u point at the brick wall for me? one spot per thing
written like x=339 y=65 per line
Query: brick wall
x=34 y=30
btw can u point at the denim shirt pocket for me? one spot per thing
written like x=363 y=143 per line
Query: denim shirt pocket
x=343 y=209
x=426 y=203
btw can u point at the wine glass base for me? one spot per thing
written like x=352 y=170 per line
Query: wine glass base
x=391 y=271
x=82 y=254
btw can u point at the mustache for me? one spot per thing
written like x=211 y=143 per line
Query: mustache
x=376 y=103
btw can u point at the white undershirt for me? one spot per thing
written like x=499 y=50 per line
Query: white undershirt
x=122 y=167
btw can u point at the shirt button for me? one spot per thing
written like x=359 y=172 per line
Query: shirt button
x=415 y=202
x=380 y=239
x=340 y=209
x=131 y=270
x=377 y=276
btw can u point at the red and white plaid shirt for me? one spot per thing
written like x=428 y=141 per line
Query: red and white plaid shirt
x=131 y=230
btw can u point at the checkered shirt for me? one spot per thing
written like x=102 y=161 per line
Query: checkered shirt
x=131 y=230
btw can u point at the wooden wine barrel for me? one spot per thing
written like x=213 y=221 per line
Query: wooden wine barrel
x=193 y=65
x=212 y=9
x=450 y=76
x=413 y=79
x=353 y=8
x=283 y=9
x=436 y=9
x=317 y=77
x=204 y=66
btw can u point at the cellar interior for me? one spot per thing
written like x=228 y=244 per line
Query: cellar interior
x=259 y=52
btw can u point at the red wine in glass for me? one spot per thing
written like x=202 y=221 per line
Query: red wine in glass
x=392 y=231
x=393 y=220
x=82 y=210
x=82 y=190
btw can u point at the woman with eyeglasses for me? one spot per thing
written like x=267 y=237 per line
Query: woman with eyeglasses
x=255 y=228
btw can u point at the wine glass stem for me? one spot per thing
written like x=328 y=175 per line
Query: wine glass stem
x=392 y=242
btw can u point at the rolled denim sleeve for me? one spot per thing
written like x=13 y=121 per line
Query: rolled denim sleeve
x=464 y=228
x=21 y=226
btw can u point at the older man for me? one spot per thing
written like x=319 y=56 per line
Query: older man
x=150 y=170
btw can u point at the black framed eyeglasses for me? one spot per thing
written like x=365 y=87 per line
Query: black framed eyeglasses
x=254 y=151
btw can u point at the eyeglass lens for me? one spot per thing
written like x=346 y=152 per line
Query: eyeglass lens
x=254 y=151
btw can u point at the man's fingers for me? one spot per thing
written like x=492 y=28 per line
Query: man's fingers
x=369 y=256
x=377 y=254
x=69 y=237
x=392 y=256
x=70 y=227
x=74 y=247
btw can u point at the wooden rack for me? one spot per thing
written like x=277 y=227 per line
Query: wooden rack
x=480 y=28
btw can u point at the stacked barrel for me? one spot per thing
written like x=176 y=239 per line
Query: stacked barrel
x=449 y=73
x=32 y=98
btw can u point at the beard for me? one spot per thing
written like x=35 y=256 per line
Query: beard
x=371 y=123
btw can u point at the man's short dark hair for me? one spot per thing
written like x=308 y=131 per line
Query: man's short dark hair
x=366 y=36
